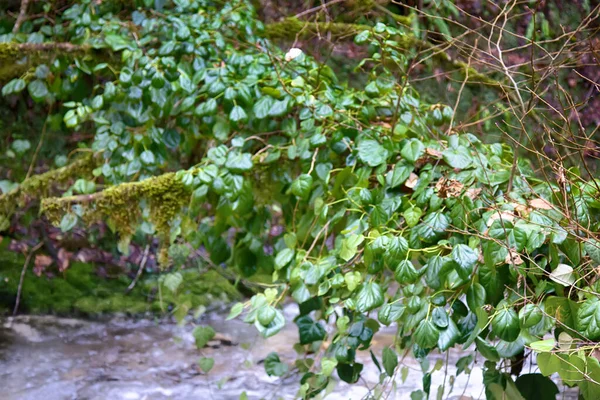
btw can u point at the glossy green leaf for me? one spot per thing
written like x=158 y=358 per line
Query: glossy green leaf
x=369 y=297
x=202 y=335
x=426 y=335
x=274 y=366
x=372 y=153
x=390 y=360
x=505 y=324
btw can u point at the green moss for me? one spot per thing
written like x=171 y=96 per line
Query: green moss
x=80 y=291
x=17 y=58
x=290 y=28
x=119 y=205
x=38 y=186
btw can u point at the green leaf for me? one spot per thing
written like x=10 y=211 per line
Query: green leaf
x=323 y=111
x=466 y=258
x=279 y=108
x=563 y=309
x=283 y=258
x=14 y=86
x=543 y=345
x=439 y=316
x=369 y=297
x=301 y=187
x=38 y=90
x=352 y=280
x=328 y=365
x=399 y=174
x=426 y=335
x=390 y=361
x=172 y=281
x=412 y=216
x=20 y=146
x=588 y=318
x=476 y=296
x=412 y=150
x=592 y=248
x=238 y=114
x=67 y=222
x=236 y=310
x=349 y=373
x=206 y=364
x=487 y=350
x=266 y=314
x=203 y=334
x=433 y=224
x=405 y=272
x=459 y=158
x=273 y=328
x=117 y=42
x=350 y=246
x=372 y=153
x=209 y=107
x=390 y=312
x=510 y=349
x=274 y=366
x=548 y=363
x=530 y=315
x=147 y=157
x=505 y=324
x=536 y=387
x=449 y=336
x=262 y=107
x=309 y=330
x=239 y=162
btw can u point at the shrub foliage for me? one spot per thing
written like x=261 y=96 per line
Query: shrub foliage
x=362 y=205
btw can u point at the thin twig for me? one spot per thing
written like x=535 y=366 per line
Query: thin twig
x=140 y=270
x=22 y=278
x=22 y=15
x=39 y=146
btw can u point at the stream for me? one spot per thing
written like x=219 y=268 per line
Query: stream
x=52 y=358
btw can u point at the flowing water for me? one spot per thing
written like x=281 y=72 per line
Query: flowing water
x=51 y=358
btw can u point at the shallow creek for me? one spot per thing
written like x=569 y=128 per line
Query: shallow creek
x=51 y=358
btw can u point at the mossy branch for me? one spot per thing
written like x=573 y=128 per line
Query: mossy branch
x=119 y=205
x=293 y=28
x=16 y=58
x=38 y=186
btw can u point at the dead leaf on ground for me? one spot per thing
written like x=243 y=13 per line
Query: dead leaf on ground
x=41 y=262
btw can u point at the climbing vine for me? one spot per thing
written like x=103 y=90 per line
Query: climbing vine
x=364 y=206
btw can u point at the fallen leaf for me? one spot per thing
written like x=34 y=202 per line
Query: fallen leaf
x=412 y=180
x=540 y=204
x=473 y=193
x=41 y=263
x=63 y=259
x=563 y=274
x=433 y=152
x=505 y=215
x=513 y=258
x=447 y=188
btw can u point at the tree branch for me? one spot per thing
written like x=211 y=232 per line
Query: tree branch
x=22 y=15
